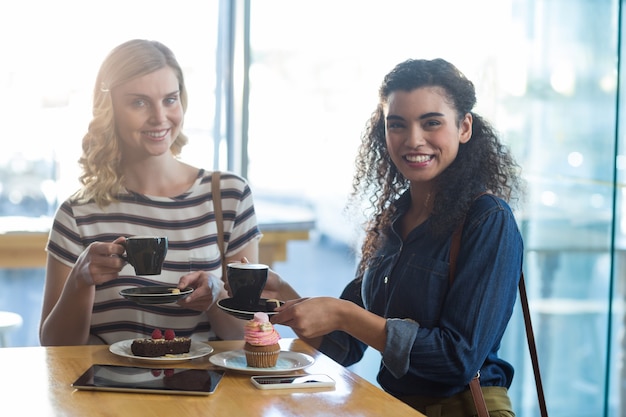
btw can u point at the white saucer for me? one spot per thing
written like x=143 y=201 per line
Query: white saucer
x=197 y=350
x=287 y=361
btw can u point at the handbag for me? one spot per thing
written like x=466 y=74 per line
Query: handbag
x=219 y=220
x=477 y=394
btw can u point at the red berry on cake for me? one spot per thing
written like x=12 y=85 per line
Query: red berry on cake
x=156 y=334
x=169 y=334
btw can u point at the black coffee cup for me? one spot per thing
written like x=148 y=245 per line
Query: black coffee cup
x=246 y=282
x=145 y=253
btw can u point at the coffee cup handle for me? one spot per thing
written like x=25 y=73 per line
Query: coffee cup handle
x=123 y=255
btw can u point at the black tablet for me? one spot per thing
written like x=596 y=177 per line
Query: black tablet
x=149 y=380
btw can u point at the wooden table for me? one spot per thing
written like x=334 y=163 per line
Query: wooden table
x=35 y=381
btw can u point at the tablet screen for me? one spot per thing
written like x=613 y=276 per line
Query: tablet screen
x=149 y=380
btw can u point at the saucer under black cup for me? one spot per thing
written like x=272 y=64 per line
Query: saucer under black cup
x=246 y=312
x=155 y=294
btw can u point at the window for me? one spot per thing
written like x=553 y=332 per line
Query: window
x=51 y=55
x=546 y=76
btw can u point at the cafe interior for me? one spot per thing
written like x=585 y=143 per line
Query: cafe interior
x=279 y=93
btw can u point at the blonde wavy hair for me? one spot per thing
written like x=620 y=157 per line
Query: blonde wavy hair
x=101 y=177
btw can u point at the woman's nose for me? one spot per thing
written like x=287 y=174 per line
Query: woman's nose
x=159 y=114
x=415 y=138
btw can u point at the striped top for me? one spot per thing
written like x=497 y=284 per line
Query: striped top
x=187 y=220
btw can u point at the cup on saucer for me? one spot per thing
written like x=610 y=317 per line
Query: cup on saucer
x=246 y=282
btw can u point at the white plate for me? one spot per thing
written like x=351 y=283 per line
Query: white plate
x=287 y=361
x=197 y=350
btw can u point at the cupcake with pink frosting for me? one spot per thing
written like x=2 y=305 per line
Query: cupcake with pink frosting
x=261 y=346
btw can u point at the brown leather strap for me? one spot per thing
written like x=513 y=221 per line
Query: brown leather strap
x=219 y=220
x=530 y=336
x=477 y=395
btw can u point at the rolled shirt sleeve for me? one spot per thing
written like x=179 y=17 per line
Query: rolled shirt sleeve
x=401 y=334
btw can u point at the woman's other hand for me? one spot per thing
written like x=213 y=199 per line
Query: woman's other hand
x=277 y=288
x=310 y=317
x=206 y=289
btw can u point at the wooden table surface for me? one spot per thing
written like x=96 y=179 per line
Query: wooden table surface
x=36 y=381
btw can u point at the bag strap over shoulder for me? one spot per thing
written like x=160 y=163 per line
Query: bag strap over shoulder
x=219 y=219
x=530 y=337
x=479 y=400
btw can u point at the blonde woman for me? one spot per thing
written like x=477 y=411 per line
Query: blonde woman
x=133 y=183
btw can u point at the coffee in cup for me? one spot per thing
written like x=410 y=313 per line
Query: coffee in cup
x=145 y=253
x=246 y=282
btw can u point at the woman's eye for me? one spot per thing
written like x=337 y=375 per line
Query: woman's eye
x=395 y=125
x=432 y=123
x=139 y=103
x=171 y=100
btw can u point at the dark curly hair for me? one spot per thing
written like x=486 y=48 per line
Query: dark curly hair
x=482 y=164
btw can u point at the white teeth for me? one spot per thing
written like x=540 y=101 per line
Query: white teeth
x=418 y=158
x=157 y=134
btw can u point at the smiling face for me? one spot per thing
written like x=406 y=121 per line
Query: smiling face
x=422 y=133
x=148 y=113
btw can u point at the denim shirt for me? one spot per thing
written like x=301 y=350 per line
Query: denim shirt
x=439 y=335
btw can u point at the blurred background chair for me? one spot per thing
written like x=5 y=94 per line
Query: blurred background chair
x=8 y=322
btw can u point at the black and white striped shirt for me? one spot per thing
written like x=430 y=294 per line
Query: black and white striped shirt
x=187 y=220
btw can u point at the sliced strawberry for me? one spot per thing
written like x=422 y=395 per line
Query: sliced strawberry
x=169 y=334
x=156 y=334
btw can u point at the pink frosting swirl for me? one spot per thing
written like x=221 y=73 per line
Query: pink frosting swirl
x=260 y=332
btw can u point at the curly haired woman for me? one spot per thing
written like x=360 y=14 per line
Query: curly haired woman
x=427 y=165
x=133 y=183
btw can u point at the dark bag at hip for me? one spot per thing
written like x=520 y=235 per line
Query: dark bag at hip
x=462 y=404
